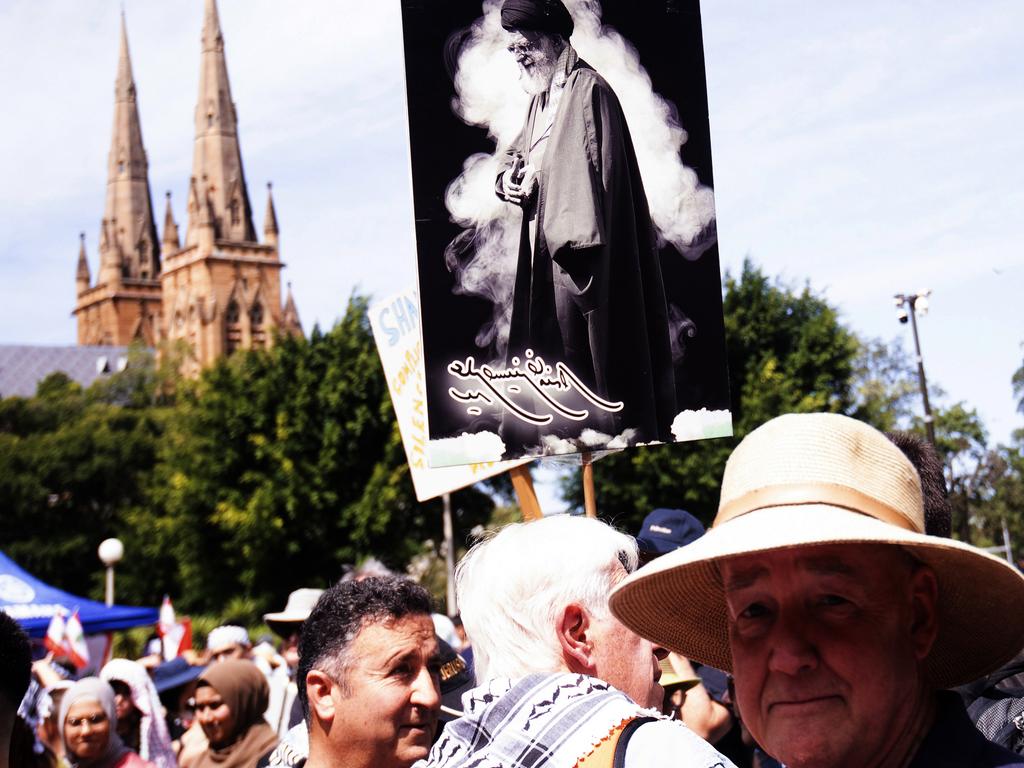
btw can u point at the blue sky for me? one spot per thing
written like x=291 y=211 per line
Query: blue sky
x=868 y=148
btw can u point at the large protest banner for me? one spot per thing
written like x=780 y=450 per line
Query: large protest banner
x=566 y=233
x=395 y=324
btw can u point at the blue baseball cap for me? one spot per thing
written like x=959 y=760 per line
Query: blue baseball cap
x=666 y=530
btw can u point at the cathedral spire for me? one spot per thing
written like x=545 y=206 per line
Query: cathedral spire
x=217 y=159
x=270 y=231
x=170 y=242
x=129 y=206
x=290 y=316
x=82 y=276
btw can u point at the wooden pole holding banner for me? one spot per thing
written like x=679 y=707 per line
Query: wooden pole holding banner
x=527 y=496
x=449 y=555
x=589 y=500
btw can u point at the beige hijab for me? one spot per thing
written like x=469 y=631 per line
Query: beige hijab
x=244 y=689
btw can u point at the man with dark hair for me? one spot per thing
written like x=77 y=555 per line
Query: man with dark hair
x=15 y=674
x=588 y=289
x=938 y=514
x=369 y=675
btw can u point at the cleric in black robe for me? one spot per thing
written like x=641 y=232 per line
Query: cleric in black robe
x=588 y=288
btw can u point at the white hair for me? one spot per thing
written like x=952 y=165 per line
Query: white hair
x=513 y=587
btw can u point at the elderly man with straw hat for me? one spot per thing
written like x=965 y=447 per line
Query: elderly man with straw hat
x=841 y=621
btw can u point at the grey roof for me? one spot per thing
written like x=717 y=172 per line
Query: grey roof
x=22 y=367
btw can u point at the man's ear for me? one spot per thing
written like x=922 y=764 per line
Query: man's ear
x=574 y=637
x=924 y=596
x=318 y=691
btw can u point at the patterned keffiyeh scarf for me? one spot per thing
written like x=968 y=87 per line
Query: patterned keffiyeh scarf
x=539 y=720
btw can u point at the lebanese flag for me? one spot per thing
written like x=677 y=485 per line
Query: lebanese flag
x=74 y=642
x=176 y=636
x=54 y=640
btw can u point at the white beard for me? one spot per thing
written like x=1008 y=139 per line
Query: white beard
x=538 y=78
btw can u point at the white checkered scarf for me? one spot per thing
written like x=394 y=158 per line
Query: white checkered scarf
x=539 y=720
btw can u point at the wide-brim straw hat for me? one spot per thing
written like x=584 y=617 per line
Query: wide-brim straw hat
x=296 y=610
x=813 y=479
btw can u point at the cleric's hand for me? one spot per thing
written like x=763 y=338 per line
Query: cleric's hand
x=519 y=193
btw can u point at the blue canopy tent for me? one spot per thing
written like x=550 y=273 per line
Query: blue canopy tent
x=32 y=604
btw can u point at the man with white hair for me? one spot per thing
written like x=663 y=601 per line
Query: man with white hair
x=561 y=682
x=842 y=622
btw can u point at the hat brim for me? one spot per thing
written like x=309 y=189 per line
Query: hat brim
x=678 y=601
x=286 y=617
x=178 y=679
x=674 y=681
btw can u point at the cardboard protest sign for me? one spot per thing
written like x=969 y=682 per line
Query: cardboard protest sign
x=566 y=233
x=395 y=323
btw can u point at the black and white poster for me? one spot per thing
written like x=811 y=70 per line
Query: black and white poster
x=565 y=222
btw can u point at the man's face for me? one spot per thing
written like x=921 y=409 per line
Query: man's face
x=626 y=660
x=536 y=56
x=388 y=707
x=826 y=645
x=290 y=649
x=228 y=652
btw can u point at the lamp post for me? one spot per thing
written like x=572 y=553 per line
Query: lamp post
x=110 y=551
x=907 y=307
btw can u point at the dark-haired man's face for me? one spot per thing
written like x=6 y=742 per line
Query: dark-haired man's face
x=536 y=55
x=388 y=704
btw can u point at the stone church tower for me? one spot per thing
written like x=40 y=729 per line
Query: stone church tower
x=220 y=289
x=124 y=304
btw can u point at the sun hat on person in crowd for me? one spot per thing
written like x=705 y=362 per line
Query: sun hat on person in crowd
x=672 y=679
x=296 y=610
x=175 y=672
x=813 y=479
x=666 y=530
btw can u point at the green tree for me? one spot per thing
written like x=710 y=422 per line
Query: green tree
x=71 y=464
x=962 y=442
x=885 y=387
x=788 y=352
x=281 y=466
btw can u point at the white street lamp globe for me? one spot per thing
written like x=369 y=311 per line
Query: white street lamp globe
x=111 y=551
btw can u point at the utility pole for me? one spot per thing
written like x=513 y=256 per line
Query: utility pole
x=907 y=307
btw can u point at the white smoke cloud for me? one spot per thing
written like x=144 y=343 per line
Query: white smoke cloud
x=488 y=95
x=466 y=449
x=697 y=425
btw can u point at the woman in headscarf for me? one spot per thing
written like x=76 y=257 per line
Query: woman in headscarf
x=140 y=720
x=89 y=726
x=231 y=697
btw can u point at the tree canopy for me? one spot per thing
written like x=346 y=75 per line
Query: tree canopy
x=272 y=471
x=788 y=352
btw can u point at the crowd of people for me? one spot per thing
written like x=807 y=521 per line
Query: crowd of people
x=822 y=620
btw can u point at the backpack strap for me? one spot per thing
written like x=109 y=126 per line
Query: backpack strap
x=611 y=751
x=623 y=740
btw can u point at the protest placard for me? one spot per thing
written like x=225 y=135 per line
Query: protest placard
x=566 y=231
x=395 y=324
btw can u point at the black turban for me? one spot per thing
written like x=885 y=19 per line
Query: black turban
x=537 y=15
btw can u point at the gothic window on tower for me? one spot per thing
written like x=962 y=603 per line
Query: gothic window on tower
x=232 y=328
x=259 y=332
x=193 y=336
x=234 y=210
